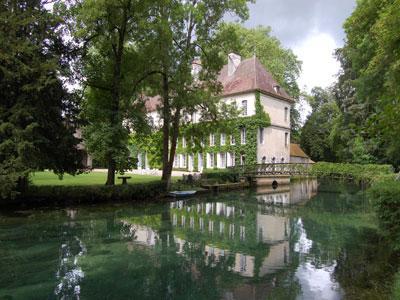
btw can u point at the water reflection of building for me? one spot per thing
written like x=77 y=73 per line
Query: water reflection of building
x=296 y=192
x=256 y=237
x=235 y=231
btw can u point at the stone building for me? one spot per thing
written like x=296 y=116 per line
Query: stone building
x=245 y=83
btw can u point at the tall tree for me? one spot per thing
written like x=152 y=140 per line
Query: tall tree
x=316 y=134
x=184 y=33
x=109 y=31
x=367 y=90
x=36 y=111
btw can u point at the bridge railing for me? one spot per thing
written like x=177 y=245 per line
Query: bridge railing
x=273 y=169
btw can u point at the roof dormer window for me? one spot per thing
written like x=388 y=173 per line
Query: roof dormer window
x=277 y=89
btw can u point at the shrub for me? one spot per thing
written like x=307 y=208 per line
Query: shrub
x=385 y=196
x=364 y=172
x=64 y=195
x=221 y=176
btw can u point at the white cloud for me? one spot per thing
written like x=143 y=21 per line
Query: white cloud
x=319 y=65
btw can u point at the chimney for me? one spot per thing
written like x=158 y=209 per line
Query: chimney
x=233 y=62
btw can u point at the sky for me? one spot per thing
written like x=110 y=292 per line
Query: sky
x=311 y=28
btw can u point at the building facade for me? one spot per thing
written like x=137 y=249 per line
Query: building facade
x=261 y=134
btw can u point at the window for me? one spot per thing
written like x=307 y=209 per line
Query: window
x=176 y=163
x=183 y=160
x=243 y=263
x=223 y=139
x=244 y=107
x=242 y=159
x=286 y=114
x=286 y=139
x=233 y=142
x=242 y=230
x=282 y=159
x=243 y=135
x=222 y=157
x=210 y=160
x=277 y=88
x=263 y=160
x=230 y=157
x=261 y=134
x=183 y=142
x=212 y=139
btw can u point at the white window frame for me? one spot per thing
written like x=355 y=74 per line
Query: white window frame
x=200 y=162
x=210 y=161
x=243 y=135
x=183 y=161
x=222 y=160
x=212 y=139
x=233 y=162
x=233 y=141
x=242 y=159
x=183 y=142
x=223 y=139
x=244 y=107
x=230 y=159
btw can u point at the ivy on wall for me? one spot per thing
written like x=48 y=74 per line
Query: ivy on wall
x=197 y=138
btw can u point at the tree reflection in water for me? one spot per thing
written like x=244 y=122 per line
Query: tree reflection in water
x=288 y=243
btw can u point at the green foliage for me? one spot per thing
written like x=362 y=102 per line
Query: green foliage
x=37 y=114
x=385 y=196
x=197 y=138
x=151 y=144
x=65 y=195
x=396 y=287
x=364 y=172
x=360 y=153
x=368 y=91
x=201 y=132
x=316 y=134
x=110 y=70
x=222 y=176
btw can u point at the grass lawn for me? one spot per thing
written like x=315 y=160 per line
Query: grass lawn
x=92 y=178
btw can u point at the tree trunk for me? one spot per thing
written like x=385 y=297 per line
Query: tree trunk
x=118 y=50
x=174 y=139
x=111 y=171
x=166 y=119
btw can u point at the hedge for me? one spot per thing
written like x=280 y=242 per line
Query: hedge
x=367 y=172
x=221 y=176
x=66 y=195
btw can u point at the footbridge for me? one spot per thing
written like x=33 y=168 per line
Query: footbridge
x=272 y=173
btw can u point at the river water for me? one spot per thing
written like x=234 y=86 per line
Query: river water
x=309 y=240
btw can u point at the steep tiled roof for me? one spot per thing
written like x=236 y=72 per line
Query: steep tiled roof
x=250 y=76
x=295 y=150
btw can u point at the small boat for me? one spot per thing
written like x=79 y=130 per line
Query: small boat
x=181 y=194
